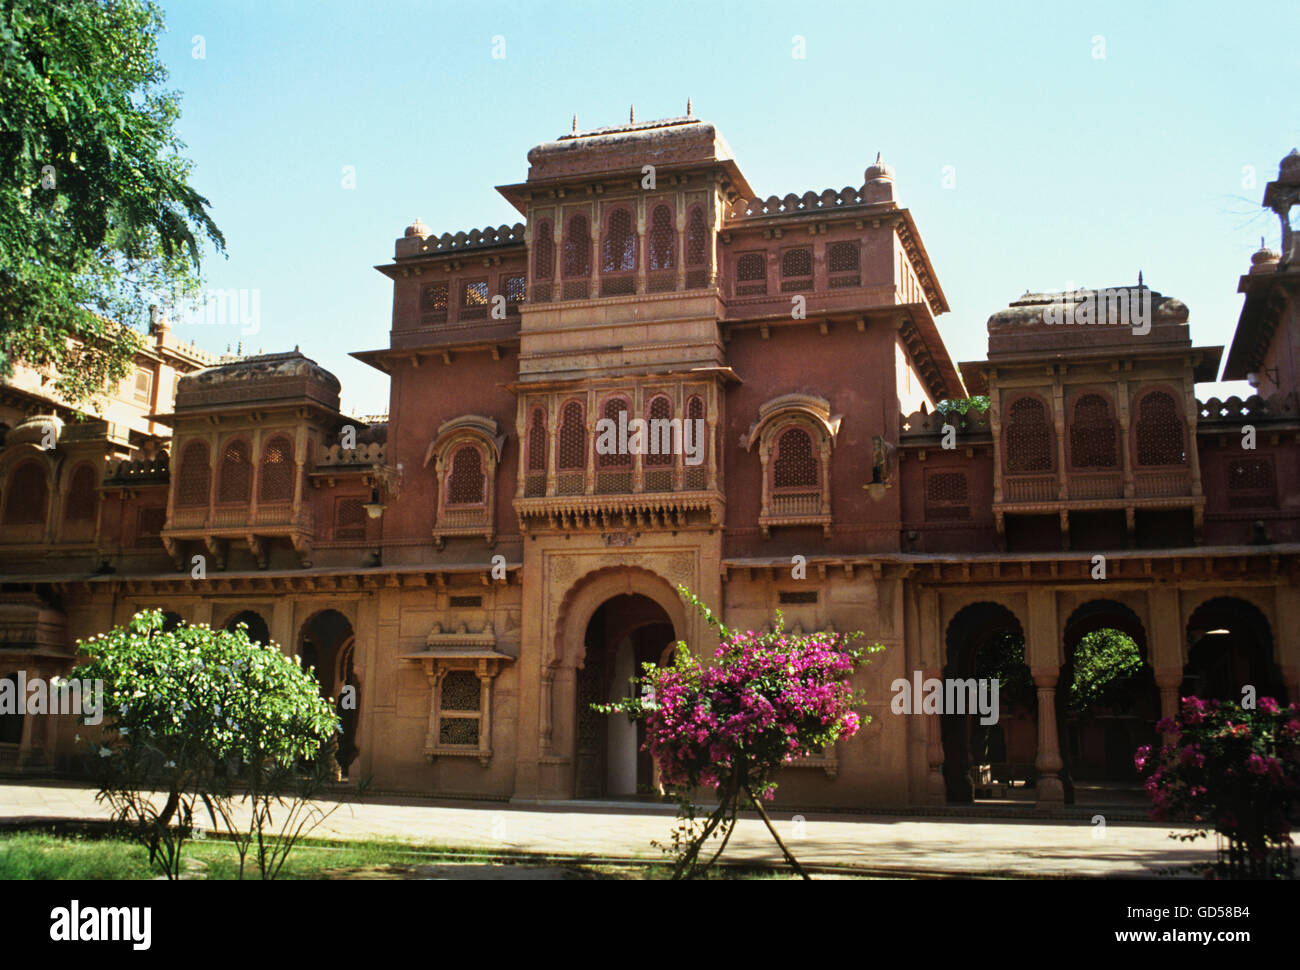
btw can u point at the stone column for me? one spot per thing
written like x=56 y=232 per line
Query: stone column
x=1168 y=680
x=1051 y=791
x=936 y=789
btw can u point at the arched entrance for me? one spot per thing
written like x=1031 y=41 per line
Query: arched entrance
x=258 y=631
x=1107 y=702
x=985 y=640
x=623 y=633
x=1230 y=646
x=326 y=644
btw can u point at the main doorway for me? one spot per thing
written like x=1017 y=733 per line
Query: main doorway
x=625 y=632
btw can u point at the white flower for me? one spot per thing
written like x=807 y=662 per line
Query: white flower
x=104 y=752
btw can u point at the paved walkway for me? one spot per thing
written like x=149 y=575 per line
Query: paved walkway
x=902 y=844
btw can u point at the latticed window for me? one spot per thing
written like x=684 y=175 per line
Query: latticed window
x=795 y=465
x=662 y=238
x=1028 y=437
x=537 y=442
x=460 y=703
x=573 y=439
x=235 y=483
x=475 y=294
x=947 y=496
x=514 y=290
x=796 y=263
x=195 y=475
x=349 y=519
x=277 y=471
x=1160 y=431
x=544 y=251
x=1092 y=434
x=28 y=495
x=751 y=274
x=80 y=504
x=696 y=476
x=843 y=257
x=615 y=459
x=577 y=247
x=697 y=238
x=433 y=298
x=660 y=409
x=620 y=243
x=1251 y=483
x=465 y=480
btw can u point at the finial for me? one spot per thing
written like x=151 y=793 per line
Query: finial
x=688 y=107
x=877 y=158
x=575 y=124
x=1261 y=242
x=1139 y=279
x=631 y=114
x=239 y=349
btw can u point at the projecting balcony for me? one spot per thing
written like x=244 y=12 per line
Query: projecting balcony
x=612 y=500
x=215 y=527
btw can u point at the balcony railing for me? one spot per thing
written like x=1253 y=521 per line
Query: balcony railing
x=1029 y=488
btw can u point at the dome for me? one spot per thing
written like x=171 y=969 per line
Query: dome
x=1289 y=166
x=879 y=171
x=34 y=430
x=1263 y=258
x=417 y=228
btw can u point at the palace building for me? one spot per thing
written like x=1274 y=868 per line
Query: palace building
x=481 y=572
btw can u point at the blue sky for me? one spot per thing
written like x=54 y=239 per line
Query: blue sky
x=1028 y=160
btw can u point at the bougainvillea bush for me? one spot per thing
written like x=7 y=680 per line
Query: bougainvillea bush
x=1233 y=770
x=765 y=700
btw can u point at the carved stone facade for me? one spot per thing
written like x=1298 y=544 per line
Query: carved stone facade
x=489 y=559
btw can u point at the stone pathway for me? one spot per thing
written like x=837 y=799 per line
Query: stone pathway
x=882 y=844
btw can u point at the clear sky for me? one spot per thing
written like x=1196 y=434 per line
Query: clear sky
x=1038 y=146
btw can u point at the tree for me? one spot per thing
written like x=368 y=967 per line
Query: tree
x=97 y=216
x=194 y=714
x=1105 y=663
x=767 y=699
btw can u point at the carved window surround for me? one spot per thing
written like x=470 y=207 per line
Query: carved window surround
x=479 y=520
x=460 y=651
x=812 y=414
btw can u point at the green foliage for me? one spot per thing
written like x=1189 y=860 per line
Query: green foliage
x=1105 y=663
x=97 y=216
x=979 y=403
x=196 y=713
x=1003 y=657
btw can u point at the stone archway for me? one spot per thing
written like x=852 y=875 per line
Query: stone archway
x=1098 y=741
x=1230 y=645
x=641 y=613
x=326 y=644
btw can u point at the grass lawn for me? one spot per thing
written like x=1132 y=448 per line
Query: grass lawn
x=51 y=855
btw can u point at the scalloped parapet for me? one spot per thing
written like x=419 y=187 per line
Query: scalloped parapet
x=417 y=245
x=139 y=472
x=930 y=424
x=1278 y=407
x=336 y=456
x=810 y=201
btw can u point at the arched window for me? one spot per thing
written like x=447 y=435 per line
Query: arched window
x=194 y=480
x=537 y=442
x=28 y=495
x=697 y=238
x=662 y=239
x=81 y=501
x=660 y=410
x=843 y=257
x=795 y=463
x=796 y=263
x=751 y=274
x=466 y=481
x=577 y=248
x=277 y=471
x=1160 y=431
x=544 y=251
x=620 y=243
x=1092 y=434
x=572 y=455
x=618 y=458
x=1028 y=437
x=235 y=483
x=696 y=475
